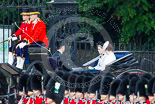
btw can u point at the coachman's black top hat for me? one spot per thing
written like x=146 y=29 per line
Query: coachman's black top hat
x=34 y=10
x=25 y=11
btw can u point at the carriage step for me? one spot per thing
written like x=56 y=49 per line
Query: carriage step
x=10 y=69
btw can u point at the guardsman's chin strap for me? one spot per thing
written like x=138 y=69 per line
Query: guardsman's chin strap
x=42 y=88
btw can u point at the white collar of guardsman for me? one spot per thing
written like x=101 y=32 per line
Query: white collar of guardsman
x=35 y=21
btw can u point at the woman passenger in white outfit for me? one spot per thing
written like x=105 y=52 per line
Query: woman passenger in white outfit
x=106 y=56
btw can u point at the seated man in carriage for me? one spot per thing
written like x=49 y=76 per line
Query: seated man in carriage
x=106 y=56
x=35 y=37
x=60 y=50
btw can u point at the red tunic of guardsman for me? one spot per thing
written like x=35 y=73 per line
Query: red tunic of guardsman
x=147 y=101
x=66 y=100
x=21 y=101
x=81 y=102
x=38 y=100
x=37 y=32
x=73 y=101
x=46 y=101
x=30 y=101
x=26 y=100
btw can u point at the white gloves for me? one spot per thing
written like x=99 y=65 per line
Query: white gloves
x=21 y=45
x=10 y=38
x=13 y=38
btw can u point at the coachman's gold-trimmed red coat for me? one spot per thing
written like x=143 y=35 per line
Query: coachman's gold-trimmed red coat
x=37 y=32
x=22 y=30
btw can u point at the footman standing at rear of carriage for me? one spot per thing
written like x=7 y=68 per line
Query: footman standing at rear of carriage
x=35 y=36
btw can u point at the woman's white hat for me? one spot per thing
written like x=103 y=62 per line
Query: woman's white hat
x=105 y=45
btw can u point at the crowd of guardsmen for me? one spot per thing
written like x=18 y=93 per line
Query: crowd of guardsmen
x=85 y=88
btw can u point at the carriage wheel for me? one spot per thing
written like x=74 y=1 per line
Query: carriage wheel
x=35 y=66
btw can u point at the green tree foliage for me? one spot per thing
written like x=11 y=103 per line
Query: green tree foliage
x=136 y=17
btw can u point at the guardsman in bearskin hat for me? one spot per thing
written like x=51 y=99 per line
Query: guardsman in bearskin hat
x=72 y=85
x=35 y=36
x=46 y=78
x=112 y=92
x=66 y=83
x=104 y=88
x=54 y=92
x=122 y=91
x=29 y=90
x=36 y=87
x=150 y=90
x=141 y=87
x=87 y=81
x=19 y=35
x=22 y=89
x=94 y=90
x=146 y=76
x=79 y=95
x=132 y=88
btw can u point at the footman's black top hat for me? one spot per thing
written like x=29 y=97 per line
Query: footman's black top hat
x=25 y=11
x=34 y=10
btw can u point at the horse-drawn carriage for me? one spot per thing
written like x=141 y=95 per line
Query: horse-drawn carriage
x=39 y=61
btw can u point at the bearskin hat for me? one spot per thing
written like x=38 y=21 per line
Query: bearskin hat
x=36 y=82
x=153 y=89
x=86 y=81
x=28 y=83
x=79 y=83
x=55 y=91
x=22 y=82
x=123 y=87
x=132 y=85
x=141 y=87
x=150 y=87
x=105 y=85
x=113 y=88
x=95 y=84
x=71 y=82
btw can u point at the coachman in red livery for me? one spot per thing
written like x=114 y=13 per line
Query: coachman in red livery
x=35 y=37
